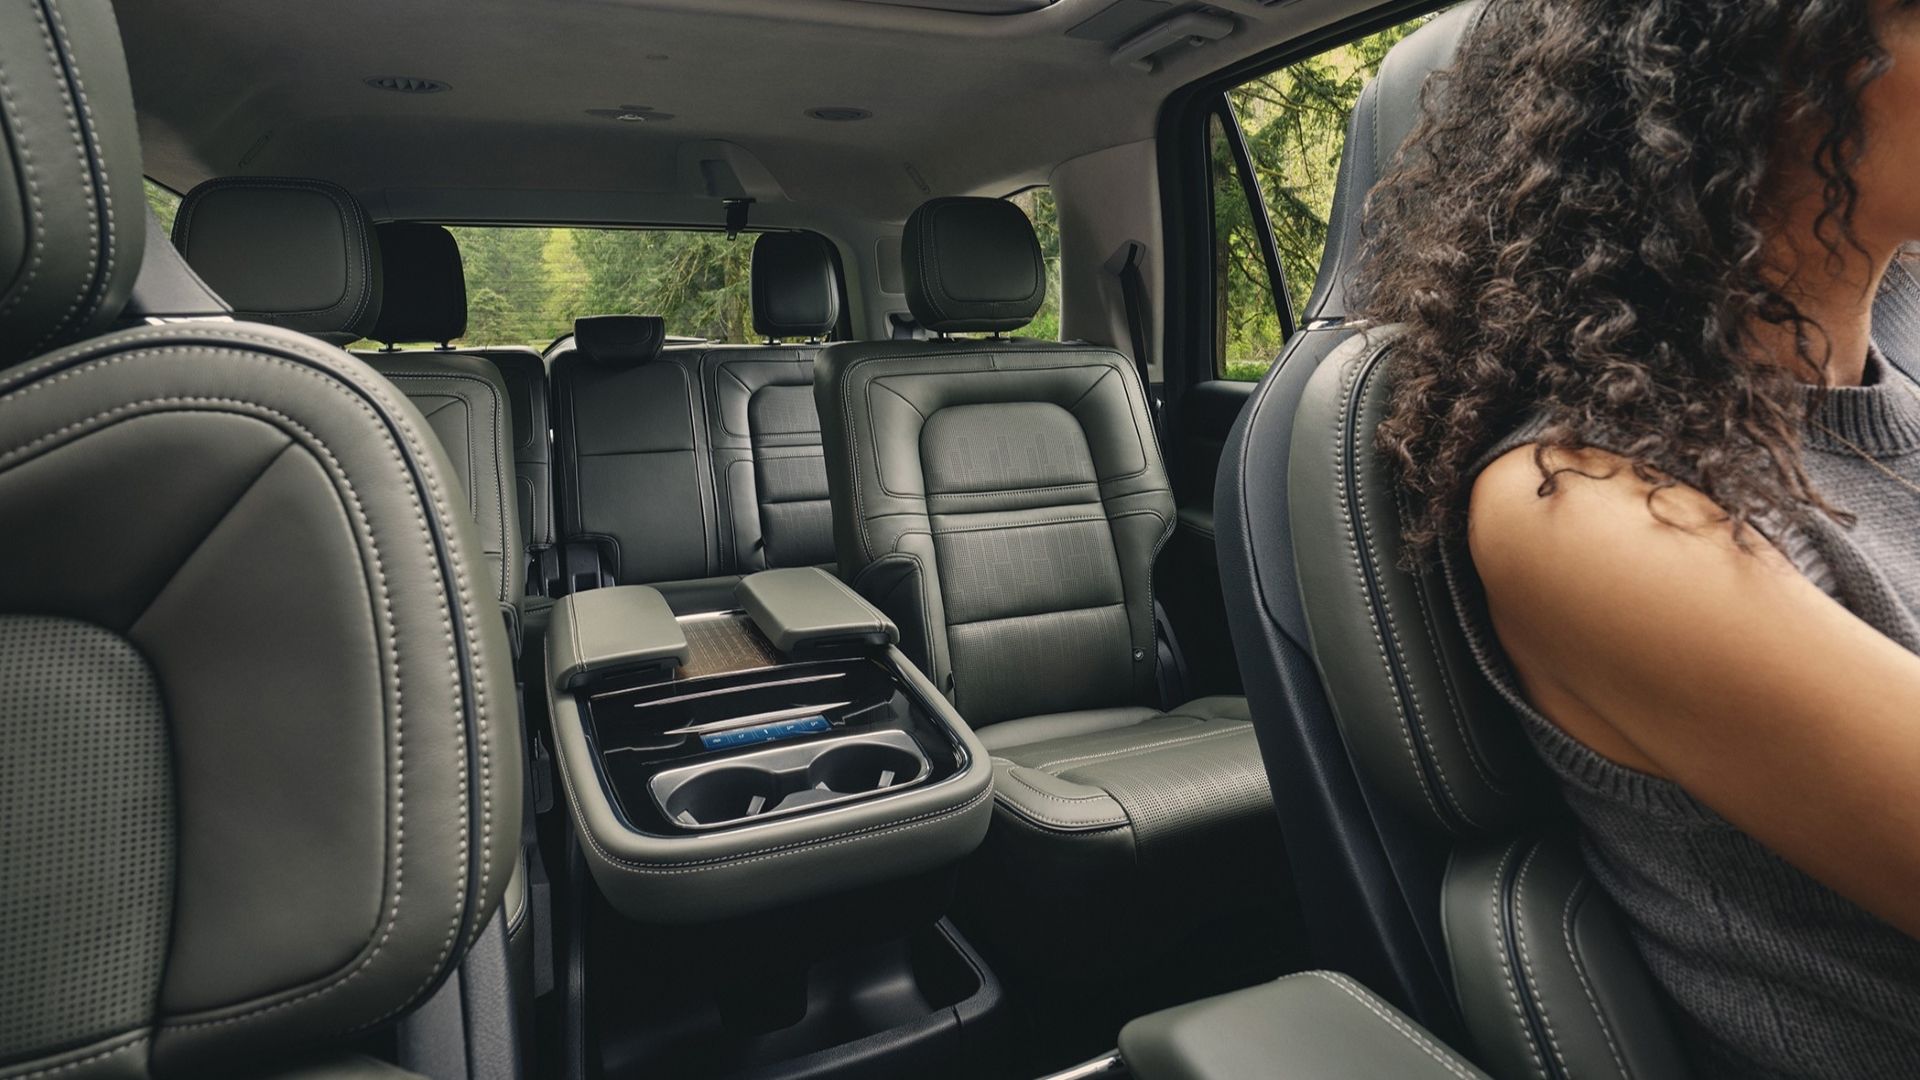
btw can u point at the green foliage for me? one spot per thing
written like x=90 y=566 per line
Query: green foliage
x=526 y=284
x=1295 y=122
x=1039 y=206
x=165 y=203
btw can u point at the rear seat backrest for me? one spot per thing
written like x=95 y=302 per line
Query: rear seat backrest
x=302 y=254
x=633 y=472
x=768 y=467
x=426 y=301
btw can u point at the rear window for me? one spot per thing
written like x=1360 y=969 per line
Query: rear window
x=526 y=284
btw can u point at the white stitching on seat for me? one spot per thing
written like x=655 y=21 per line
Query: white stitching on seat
x=1242 y=728
x=139 y=1039
x=1526 y=958
x=1407 y=1031
x=1574 y=896
x=1506 y=968
x=87 y=280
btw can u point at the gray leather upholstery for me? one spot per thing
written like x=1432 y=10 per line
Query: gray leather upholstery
x=261 y=777
x=688 y=467
x=274 y=238
x=70 y=241
x=972 y=264
x=1429 y=847
x=804 y=610
x=793 y=287
x=632 y=470
x=426 y=300
x=1003 y=501
x=602 y=631
x=291 y=252
x=467 y=406
x=1317 y=1025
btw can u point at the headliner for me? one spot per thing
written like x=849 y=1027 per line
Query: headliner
x=961 y=103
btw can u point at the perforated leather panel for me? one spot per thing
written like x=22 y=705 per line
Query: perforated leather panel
x=83 y=925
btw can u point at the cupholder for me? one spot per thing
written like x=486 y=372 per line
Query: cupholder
x=709 y=798
x=854 y=768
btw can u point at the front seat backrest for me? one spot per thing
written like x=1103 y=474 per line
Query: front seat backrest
x=1431 y=848
x=1002 y=499
x=304 y=255
x=260 y=782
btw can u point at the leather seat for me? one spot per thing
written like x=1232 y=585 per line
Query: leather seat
x=769 y=475
x=1434 y=860
x=1003 y=500
x=303 y=254
x=261 y=777
x=686 y=468
x=424 y=285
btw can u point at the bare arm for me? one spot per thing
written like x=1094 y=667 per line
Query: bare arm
x=1667 y=648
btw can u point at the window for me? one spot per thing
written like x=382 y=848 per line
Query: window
x=1037 y=202
x=165 y=204
x=1294 y=124
x=525 y=284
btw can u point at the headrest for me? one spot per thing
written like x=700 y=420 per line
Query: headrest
x=1382 y=119
x=619 y=341
x=71 y=225
x=423 y=285
x=795 y=291
x=295 y=253
x=972 y=264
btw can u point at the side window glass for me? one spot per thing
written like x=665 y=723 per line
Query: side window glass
x=1247 y=331
x=1294 y=123
x=165 y=204
x=1037 y=202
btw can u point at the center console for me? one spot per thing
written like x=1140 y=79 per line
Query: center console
x=722 y=764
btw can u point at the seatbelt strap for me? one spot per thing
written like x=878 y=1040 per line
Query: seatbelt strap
x=1125 y=265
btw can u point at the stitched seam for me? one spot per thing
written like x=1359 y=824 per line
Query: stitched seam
x=37 y=243
x=1003 y=492
x=139 y=1039
x=1037 y=817
x=350 y=212
x=339 y=375
x=1577 y=894
x=1352 y=531
x=86 y=171
x=104 y=266
x=1506 y=968
x=1407 y=1031
x=1028 y=784
x=1451 y=696
x=499 y=466
x=93 y=422
x=1526 y=957
x=1110 y=754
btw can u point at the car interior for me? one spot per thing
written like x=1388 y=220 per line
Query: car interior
x=871 y=564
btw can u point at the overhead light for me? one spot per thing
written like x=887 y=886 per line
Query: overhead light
x=406 y=84
x=838 y=114
x=632 y=114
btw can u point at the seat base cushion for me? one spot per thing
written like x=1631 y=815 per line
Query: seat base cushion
x=1118 y=832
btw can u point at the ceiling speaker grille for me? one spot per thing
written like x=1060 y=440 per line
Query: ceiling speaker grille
x=407 y=84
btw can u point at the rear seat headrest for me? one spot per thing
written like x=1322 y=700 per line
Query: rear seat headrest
x=619 y=341
x=295 y=253
x=424 y=285
x=71 y=232
x=972 y=264
x=795 y=291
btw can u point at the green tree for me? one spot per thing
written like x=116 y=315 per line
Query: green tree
x=165 y=204
x=1294 y=121
x=1039 y=206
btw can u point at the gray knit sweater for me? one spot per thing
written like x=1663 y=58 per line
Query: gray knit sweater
x=1772 y=974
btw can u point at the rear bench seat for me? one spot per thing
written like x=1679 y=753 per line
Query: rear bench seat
x=685 y=468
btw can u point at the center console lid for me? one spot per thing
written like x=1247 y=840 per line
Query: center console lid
x=1317 y=1025
x=720 y=765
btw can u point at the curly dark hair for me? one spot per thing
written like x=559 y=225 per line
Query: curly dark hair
x=1576 y=233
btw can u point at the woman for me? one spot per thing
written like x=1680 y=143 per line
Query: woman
x=1637 y=406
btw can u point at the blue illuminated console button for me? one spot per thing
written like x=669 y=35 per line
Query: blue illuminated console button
x=786 y=729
